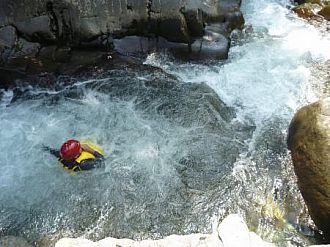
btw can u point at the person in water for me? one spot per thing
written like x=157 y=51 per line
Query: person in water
x=76 y=156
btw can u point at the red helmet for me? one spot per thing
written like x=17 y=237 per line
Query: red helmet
x=70 y=149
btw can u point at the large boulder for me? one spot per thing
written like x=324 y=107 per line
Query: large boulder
x=307 y=10
x=313 y=9
x=309 y=142
x=325 y=12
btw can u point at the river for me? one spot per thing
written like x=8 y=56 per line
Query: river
x=175 y=164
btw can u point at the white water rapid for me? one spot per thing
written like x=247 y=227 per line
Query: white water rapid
x=174 y=163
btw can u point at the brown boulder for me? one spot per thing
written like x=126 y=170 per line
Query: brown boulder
x=309 y=142
x=325 y=12
x=307 y=10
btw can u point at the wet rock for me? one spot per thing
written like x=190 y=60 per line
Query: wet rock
x=8 y=39
x=55 y=54
x=309 y=142
x=325 y=12
x=186 y=104
x=307 y=10
x=319 y=2
x=62 y=55
x=95 y=24
x=71 y=22
x=12 y=241
x=8 y=76
x=234 y=19
x=211 y=46
x=26 y=48
x=37 y=29
x=315 y=9
x=8 y=36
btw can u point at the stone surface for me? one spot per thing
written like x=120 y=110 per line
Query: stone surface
x=8 y=39
x=37 y=29
x=24 y=48
x=309 y=142
x=320 y=2
x=94 y=24
x=74 y=21
x=307 y=10
x=232 y=232
x=213 y=45
x=325 y=12
x=8 y=36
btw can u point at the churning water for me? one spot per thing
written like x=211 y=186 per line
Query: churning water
x=178 y=159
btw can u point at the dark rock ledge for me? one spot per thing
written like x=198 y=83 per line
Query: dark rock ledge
x=32 y=31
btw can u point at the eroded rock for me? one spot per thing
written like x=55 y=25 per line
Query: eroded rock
x=307 y=10
x=76 y=21
x=86 y=23
x=325 y=12
x=309 y=142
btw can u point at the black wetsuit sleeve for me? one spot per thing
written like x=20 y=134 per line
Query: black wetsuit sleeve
x=89 y=164
x=52 y=151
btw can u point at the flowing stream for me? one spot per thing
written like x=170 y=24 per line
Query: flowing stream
x=178 y=159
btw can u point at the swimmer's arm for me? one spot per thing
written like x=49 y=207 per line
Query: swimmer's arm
x=52 y=151
x=91 y=163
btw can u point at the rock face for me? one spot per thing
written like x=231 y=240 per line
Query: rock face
x=325 y=12
x=309 y=142
x=232 y=232
x=95 y=23
x=307 y=10
x=313 y=9
x=73 y=22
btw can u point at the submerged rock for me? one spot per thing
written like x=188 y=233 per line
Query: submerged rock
x=158 y=128
x=309 y=142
